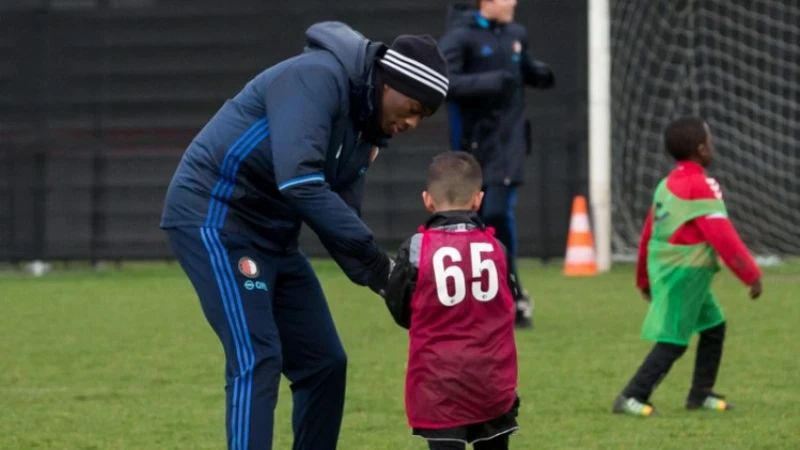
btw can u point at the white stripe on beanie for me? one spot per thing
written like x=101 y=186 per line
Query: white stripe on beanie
x=403 y=58
x=416 y=70
x=431 y=85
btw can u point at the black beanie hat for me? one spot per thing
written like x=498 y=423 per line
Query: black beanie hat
x=415 y=67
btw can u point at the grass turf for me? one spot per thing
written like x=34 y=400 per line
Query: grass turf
x=123 y=359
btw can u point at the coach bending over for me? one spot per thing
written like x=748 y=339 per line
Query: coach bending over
x=292 y=147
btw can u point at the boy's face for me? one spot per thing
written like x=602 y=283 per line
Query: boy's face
x=499 y=10
x=432 y=206
x=706 y=150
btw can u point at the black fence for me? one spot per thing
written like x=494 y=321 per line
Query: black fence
x=99 y=98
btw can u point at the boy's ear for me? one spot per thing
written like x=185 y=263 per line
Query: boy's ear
x=477 y=199
x=427 y=200
x=702 y=150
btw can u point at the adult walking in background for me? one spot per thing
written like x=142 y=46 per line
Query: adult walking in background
x=490 y=65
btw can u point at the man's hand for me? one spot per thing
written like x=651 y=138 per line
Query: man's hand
x=755 y=290
x=645 y=293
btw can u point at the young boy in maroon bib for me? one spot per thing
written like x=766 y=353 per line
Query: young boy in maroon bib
x=453 y=289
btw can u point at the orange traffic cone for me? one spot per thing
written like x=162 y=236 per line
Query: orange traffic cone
x=580 y=259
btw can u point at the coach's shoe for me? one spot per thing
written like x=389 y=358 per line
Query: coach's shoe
x=524 y=317
x=632 y=407
x=712 y=402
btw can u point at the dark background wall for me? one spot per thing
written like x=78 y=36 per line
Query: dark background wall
x=98 y=99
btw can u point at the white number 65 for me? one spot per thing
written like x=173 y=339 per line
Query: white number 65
x=478 y=265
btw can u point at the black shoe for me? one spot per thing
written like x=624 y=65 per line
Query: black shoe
x=524 y=317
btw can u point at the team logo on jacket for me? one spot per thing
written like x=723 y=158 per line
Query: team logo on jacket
x=248 y=267
x=517 y=47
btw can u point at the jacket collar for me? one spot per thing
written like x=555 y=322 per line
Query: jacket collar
x=484 y=23
x=689 y=167
x=457 y=217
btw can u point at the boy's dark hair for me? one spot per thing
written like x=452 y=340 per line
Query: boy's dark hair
x=454 y=178
x=683 y=136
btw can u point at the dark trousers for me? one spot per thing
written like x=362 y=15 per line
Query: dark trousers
x=271 y=317
x=659 y=361
x=497 y=211
x=498 y=443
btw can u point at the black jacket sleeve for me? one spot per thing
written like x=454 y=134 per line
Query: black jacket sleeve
x=301 y=105
x=402 y=283
x=536 y=73
x=464 y=86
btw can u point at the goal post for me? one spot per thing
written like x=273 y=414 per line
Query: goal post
x=600 y=129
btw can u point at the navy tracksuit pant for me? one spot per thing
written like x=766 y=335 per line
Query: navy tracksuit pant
x=271 y=317
x=497 y=210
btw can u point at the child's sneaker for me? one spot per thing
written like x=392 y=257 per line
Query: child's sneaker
x=712 y=402
x=632 y=407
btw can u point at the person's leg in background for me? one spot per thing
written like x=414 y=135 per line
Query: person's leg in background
x=314 y=359
x=497 y=211
x=234 y=283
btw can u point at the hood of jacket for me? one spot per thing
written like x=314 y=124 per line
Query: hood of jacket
x=357 y=55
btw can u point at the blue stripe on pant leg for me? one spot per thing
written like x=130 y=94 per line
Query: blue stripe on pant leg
x=225 y=296
x=246 y=371
x=246 y=361
x=219 y=262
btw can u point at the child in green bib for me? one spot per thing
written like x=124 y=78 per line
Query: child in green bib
x=686 y=233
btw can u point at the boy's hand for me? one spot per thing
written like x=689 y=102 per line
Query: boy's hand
x=755 y=290
x=382 y=267
x=645 y=293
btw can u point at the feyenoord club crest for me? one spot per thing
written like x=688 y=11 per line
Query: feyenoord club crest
x=248 y=267
x=517 y=47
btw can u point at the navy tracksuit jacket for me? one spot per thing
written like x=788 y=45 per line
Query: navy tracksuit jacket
x=285 y=150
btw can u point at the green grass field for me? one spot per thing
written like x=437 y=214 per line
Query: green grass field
x=123 y=359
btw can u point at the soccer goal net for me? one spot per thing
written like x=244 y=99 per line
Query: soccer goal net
x=735 y=63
